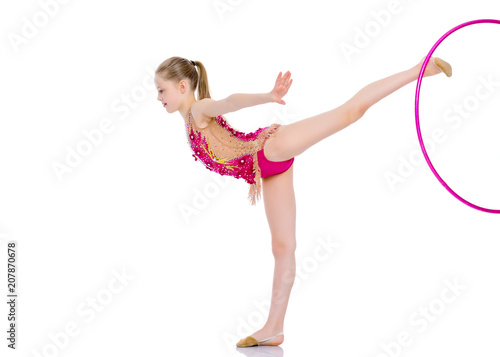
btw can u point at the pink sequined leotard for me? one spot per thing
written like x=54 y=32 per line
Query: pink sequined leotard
x=227 y=151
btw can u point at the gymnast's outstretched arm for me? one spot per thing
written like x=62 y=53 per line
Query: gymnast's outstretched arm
x=237 y=101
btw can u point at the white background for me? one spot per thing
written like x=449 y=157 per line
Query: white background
x=197 y=278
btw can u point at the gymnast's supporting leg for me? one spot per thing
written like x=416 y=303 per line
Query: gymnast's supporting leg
x=293 y=139
x=279 y=203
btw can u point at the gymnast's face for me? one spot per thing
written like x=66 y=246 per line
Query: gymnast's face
x=169 y=93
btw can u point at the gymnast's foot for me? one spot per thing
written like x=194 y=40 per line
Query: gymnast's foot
x=264 y=334
x=435 y=66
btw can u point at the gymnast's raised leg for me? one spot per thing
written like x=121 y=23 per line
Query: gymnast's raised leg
x=293 y=139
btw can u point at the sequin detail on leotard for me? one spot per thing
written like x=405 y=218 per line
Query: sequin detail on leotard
x=230 y=152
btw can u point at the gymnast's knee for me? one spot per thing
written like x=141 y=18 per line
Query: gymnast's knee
x=355 y=110
x=284 y=249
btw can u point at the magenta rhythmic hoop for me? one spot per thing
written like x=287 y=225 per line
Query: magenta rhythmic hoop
x=417 y=97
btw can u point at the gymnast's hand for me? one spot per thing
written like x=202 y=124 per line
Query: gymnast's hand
x=281 y=87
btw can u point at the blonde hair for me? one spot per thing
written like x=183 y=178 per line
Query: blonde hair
x=178 y=68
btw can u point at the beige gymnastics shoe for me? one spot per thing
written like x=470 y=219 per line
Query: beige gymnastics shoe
x=435 y=66
x=251 y=341
x=444 y=66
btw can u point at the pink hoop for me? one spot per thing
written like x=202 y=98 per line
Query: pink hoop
x=417 y=97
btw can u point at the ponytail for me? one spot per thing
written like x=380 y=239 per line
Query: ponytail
x=203 y=90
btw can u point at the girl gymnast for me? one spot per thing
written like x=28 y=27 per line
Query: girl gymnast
x=266 y=154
